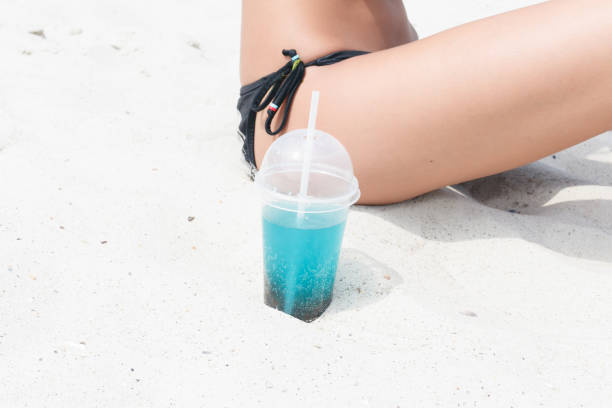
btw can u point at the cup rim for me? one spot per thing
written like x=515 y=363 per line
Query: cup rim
x=336 y=203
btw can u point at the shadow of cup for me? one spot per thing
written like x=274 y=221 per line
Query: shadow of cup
x=361 y=281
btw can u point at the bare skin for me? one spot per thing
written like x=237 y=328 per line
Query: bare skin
x=466 y=103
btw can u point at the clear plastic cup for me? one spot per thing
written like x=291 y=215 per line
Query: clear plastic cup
x=302 y=234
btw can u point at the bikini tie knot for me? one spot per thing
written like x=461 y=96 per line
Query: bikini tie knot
x=279 y=89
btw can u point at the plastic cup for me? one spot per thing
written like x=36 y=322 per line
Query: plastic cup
x=302 y=233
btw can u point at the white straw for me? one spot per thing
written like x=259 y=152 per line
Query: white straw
x=312 y=123
x=290 y=288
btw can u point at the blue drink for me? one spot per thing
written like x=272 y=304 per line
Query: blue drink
x=300 y=259
x=307 y=185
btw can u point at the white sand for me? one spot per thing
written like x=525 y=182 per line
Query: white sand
x=119 y=125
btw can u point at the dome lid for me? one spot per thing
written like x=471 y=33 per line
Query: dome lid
x=331 y=184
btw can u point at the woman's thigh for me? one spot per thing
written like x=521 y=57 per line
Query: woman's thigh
x=469 y=102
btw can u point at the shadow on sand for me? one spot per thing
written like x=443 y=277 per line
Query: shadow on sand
x=361 y=281
x=514 y=204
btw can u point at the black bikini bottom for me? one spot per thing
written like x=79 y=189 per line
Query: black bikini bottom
x=271 y=92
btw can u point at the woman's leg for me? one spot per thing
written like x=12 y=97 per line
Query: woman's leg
x=473 y=101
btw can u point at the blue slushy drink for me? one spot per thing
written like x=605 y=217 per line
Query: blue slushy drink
x=300 y=260
x=303 y=228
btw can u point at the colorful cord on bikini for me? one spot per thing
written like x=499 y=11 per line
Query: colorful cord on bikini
x=280 y=88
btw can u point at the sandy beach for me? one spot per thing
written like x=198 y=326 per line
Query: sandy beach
x=130 y=241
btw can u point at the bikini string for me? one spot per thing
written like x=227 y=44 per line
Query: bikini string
x=280 y=88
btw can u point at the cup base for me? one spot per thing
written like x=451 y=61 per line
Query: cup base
x=306 y=314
